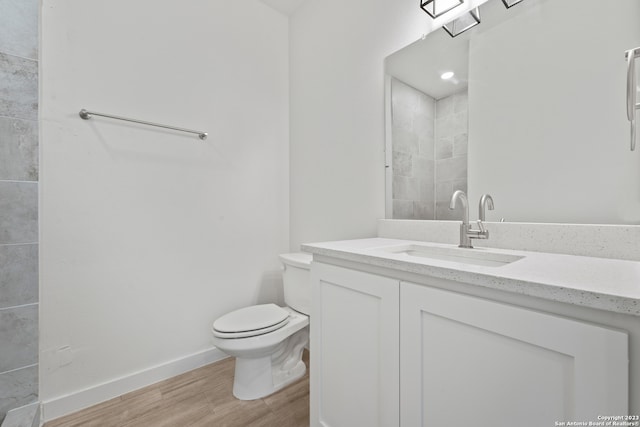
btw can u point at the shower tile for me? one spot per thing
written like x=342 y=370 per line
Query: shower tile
x=24 y=416
x=18 y=275
x=459 y=184
x=426 y=145
x=413 y=134
x=460 y=143
x=444 y=148
x=405 y=141
x=402 y=163
x=445 y=127
x=404 y=97
x=19 y=337
x=427 y=106
x=405 y=188
x=18 y=87
x=423 y=168
x=19 y=28
x=444 y=213
x=18 y=149
x=403 y=209
x=451 y=169
x=460 y=123
x=444 y=191
x=424 y=210
x=427 y=190
x=444 y=107
x=18 y=212
x=18 y=388
x=402 y=120
x=424 y=126
x=460 y=102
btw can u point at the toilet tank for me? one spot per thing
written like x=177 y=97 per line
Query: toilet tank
x=297 y=281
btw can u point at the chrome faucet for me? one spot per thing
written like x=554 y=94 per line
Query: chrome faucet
x=486 y=201
x=466 y=232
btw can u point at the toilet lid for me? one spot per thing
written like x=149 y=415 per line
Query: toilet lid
x=255 y=320
x=248 y=334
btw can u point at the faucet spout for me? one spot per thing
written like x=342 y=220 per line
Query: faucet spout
x=460 y=195
x=486 y=202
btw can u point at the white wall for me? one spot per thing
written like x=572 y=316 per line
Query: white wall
x=337 y=111
x=553 y=143
x=148 y=235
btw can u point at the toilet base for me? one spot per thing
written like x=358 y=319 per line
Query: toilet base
x=256 y=378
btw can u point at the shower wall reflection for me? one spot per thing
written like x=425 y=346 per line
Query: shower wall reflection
x=429 y=152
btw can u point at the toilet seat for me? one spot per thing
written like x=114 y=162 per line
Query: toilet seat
x=251 y=321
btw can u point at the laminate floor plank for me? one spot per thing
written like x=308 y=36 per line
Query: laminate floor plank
x=199 y=398
x=182 y=413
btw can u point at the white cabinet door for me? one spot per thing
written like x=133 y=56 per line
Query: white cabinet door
x=472 y=362
x=354 y=348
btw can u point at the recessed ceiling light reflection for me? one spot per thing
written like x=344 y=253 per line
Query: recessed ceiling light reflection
x=447 y=75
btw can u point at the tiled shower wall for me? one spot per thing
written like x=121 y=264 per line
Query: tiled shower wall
x=412 y=133
x=429 y=152
x=18 y=203
x=451 y=153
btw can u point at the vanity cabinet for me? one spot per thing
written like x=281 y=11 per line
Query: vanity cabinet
x=387 y=352
x=470 y=361
x=354 y=349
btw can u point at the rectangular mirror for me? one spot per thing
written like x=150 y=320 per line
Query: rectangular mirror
x=534 y=114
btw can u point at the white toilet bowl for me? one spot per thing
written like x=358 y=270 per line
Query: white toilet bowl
x=267 y=340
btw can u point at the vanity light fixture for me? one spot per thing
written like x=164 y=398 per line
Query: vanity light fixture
x=509 y=3
x=436 y=8
x=463 y=23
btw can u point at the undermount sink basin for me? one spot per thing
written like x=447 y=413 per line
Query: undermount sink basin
x=461 y=255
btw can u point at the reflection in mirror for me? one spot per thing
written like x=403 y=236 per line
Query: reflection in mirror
x=427 y=97
x=545 y=131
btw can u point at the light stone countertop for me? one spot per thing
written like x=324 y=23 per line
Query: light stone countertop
x=606 y=284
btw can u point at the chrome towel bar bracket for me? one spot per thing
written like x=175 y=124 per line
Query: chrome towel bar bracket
x=86 y=115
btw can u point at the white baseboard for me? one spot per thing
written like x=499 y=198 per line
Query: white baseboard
x=73 y=402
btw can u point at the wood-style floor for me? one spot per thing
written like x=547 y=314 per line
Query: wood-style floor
x=200 y=398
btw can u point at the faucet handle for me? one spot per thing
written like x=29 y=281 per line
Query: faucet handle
x=481 y=226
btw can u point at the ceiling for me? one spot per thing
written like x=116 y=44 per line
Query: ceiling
x=421 y=64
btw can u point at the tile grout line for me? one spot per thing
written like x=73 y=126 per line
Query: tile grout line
x=13 y=307
x=2 y=116
x=18 y=244
x=20 y=57
x=18 y=369
x=19 y=181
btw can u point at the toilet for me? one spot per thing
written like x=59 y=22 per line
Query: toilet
x=267 y=340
